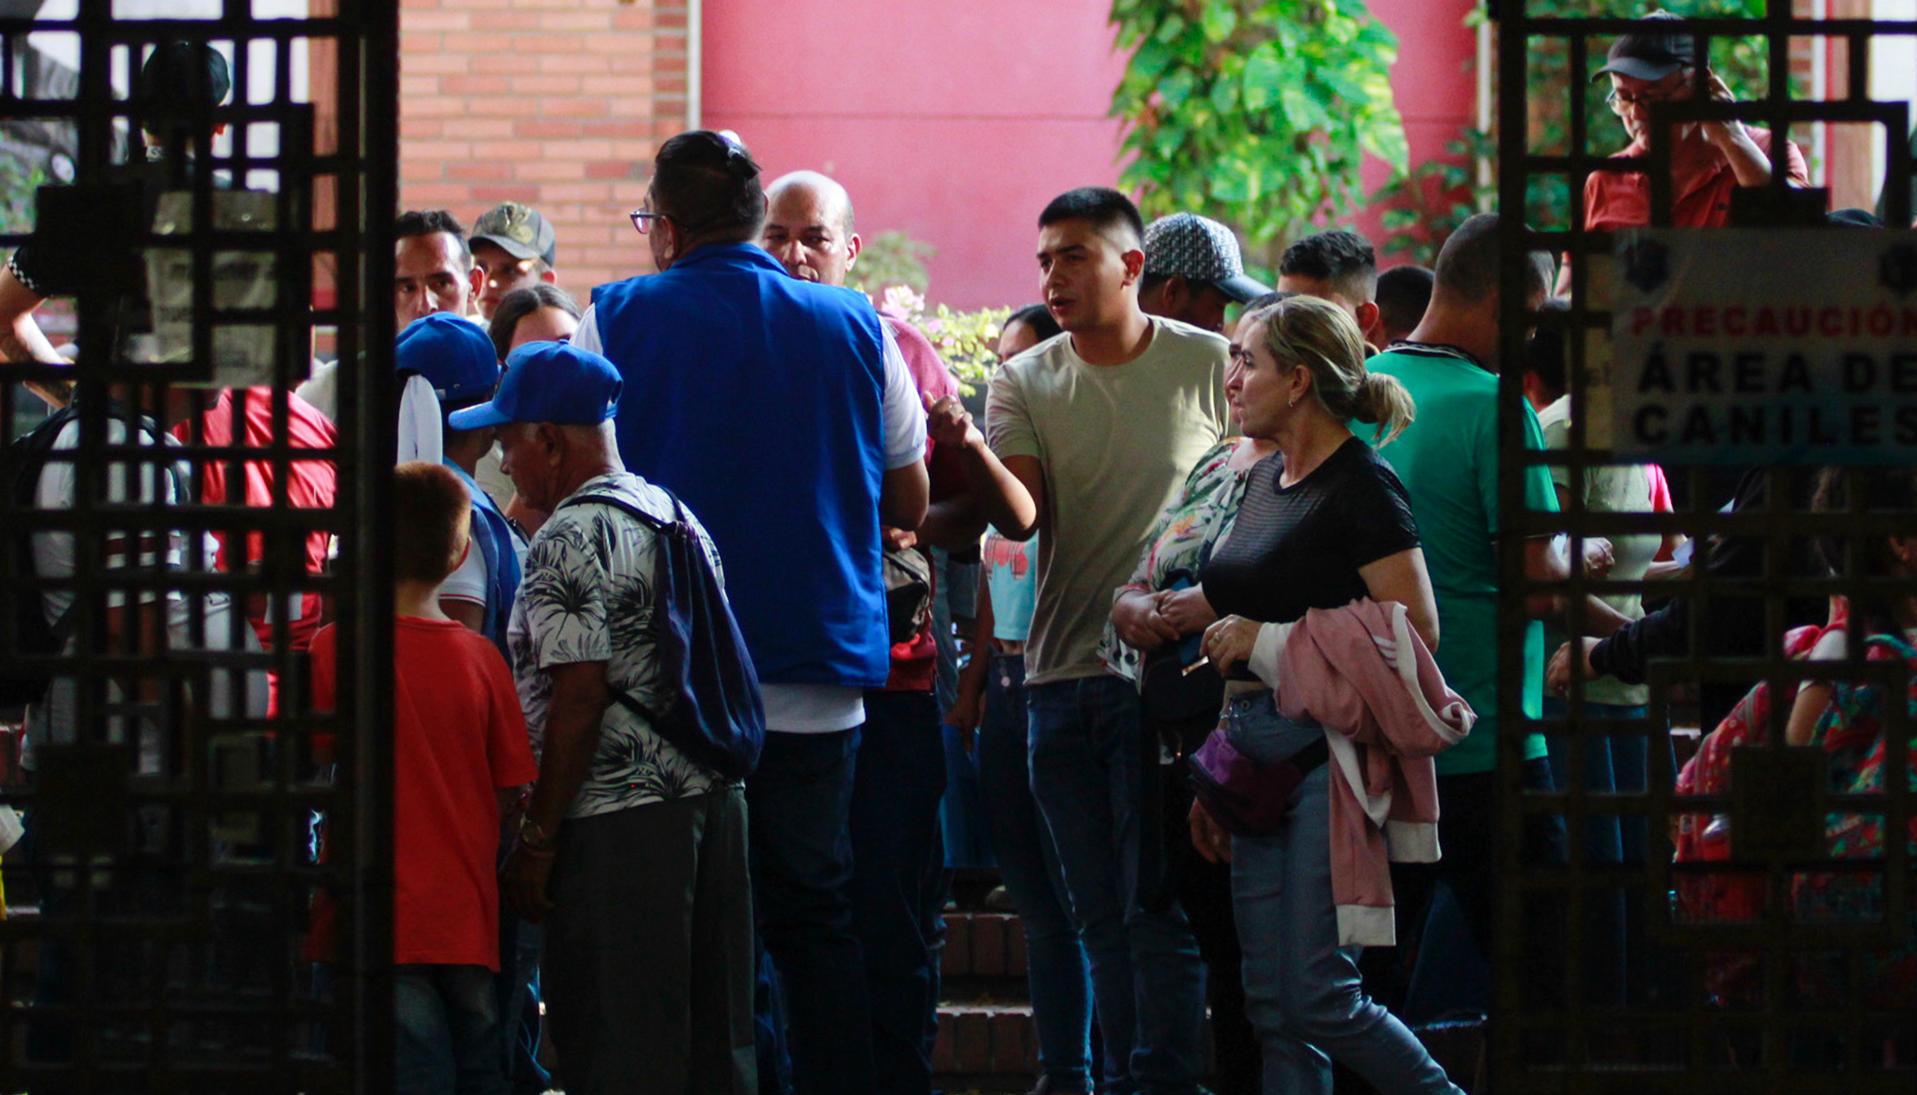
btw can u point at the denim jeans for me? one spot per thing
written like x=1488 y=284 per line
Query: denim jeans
x=800 y=802
x=1056 y=971
x=894 y=825
x=1302 y=989
x=1147 y=977
x=962 y=815
x=448 y=1039
x=1616 y=970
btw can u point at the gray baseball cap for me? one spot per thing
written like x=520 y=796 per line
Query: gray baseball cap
x=518 y=230
x=1186 y=245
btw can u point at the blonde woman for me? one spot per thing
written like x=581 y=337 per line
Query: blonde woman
x=1323 y=523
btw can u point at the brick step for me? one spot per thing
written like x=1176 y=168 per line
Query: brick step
x=983 y=945
x=983 y=1040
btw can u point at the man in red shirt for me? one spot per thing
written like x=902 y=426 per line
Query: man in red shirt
x=1709 y=160
x=460 y=754
x=311 y=483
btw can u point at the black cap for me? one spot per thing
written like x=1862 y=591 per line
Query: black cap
x=1650 y=55
x=177 y=78
x=1853 y=218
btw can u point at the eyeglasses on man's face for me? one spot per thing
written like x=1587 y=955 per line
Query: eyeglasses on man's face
x=1621 y=101
x=642 y=220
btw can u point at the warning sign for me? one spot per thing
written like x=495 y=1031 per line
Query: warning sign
x=241 y=279
x=1775 y=346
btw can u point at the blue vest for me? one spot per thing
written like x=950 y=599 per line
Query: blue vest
x=494 y=536
x=757 y=398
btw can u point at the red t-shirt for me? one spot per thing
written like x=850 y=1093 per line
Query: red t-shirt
x=1700 y=195
x=915 y=663
x=311 y=484
x=458 y=736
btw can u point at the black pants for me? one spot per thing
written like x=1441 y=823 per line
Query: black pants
x=649 y=950
x=1468 y=835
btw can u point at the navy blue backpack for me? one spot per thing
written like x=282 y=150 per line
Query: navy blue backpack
x=713 y=712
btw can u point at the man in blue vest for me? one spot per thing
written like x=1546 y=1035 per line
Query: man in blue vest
x=783 y=414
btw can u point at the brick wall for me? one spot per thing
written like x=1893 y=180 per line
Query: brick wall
x=556 y=103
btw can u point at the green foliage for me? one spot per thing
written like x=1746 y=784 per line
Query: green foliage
x=966 y=341
x=888 y=259
x=1255 y=111
x=1425 y=204
x=18 y=186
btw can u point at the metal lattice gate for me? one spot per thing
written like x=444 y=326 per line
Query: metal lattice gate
x=1767 y=996
x=202 y=897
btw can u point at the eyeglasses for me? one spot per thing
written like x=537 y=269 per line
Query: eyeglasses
x=1618 y=100
x=642 y=220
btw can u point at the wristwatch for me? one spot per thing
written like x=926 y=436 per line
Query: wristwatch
x=532 y=836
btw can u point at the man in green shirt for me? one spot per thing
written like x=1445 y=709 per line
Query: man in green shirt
x=1448 y=460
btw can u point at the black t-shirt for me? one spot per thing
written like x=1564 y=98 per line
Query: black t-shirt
x=1300 y=547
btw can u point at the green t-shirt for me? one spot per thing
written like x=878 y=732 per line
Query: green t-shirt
x=1116 y=442
x=1448 y=460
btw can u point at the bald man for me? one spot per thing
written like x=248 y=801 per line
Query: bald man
x=900 y=774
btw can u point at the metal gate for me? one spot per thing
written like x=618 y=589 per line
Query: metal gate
x=202 y=897
x=1775 y=1000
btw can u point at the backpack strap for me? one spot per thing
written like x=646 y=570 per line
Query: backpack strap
x=624 y=506
x=620 y=696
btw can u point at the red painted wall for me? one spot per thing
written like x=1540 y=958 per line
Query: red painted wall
x=955 y=123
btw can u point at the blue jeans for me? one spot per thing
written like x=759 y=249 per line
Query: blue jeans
x=968 y=844
x=449 y=1038
x=1147 y=977
x=1615 y=969
x=800 y=802
x=1056 y=972
x=1302 y=990
x=894 y=824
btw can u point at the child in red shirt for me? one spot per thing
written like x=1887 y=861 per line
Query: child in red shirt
x=460 y=754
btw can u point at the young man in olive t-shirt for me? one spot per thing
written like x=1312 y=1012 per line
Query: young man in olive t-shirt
x=1097 y=428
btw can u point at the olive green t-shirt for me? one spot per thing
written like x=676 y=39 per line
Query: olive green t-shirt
x=1115 y=442
x=1448 y=461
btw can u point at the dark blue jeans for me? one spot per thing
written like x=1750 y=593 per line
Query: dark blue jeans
x=1056 y=971
x=800 y=803
x=895 y=817
x=448 y=1038
x=1147 y=977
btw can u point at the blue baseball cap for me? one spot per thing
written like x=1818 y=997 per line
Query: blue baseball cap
x=554 y=382
x=453 y=353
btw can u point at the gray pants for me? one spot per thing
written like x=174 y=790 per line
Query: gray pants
x=649 y=950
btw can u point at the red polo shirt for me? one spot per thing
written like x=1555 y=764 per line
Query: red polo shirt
x=915 y=663
x=1701 y=196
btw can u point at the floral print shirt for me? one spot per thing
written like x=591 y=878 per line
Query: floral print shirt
x=587 y=597
x=1180 y=540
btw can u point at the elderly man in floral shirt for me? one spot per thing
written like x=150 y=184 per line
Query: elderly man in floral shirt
x=634 y=853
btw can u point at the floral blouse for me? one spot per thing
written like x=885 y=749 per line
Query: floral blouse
x=1180 y=541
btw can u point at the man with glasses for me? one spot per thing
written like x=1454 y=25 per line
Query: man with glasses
x=782 y=413
x=513 y=248
x=1709 y=160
